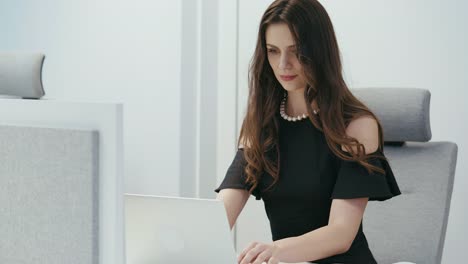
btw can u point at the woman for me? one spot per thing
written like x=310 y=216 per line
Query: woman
x=307 y=146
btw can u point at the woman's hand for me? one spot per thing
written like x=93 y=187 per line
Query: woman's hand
x=258 y=253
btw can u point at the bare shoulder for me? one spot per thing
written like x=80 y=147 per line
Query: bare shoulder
x=365 y=130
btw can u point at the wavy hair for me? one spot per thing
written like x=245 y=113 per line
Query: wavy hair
x=319 y=56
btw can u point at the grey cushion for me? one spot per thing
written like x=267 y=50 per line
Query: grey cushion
x=403 y=112
x=412 y=226
x=49 y=196
x=21 y=74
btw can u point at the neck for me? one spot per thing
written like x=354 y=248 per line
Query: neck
x=296 y=103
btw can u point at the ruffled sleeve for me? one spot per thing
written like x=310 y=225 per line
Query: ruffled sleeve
x=235 y=177
x=354 y=181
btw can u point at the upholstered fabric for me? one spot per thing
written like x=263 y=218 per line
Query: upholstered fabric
x=412 y=226
x=403 y=112
x=21 y=74
x=49 y=210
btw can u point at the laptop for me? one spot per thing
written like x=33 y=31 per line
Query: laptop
x=173 y=230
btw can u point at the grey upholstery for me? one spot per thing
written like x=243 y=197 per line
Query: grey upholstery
x=21 y=74
x=48 y=196
x=412 y=226
x=404 y=112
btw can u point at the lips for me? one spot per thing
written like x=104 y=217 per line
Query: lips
x=288 y=77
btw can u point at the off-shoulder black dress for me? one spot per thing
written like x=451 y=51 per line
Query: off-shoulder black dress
x=310 y=177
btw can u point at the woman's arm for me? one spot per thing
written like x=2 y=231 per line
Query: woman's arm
x=234 y=201
x=335 y=238
x=330 y=240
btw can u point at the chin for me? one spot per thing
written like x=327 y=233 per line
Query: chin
x=292 y=88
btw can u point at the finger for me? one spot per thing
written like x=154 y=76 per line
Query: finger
x=247 y=249
x=262 y=257
x=251 y=255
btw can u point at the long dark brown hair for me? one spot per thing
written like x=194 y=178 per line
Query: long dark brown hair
x=319 y=56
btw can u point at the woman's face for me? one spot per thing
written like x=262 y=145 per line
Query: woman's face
x=282 y=56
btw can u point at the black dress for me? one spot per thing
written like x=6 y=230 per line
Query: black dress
x=310 y=177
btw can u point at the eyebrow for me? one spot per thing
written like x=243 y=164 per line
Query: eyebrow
x=277 y=47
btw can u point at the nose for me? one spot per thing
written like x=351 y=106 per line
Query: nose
x=284 y=61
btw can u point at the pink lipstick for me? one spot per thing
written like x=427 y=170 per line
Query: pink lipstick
x=288 y=77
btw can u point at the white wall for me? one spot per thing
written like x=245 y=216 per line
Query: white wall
x=112 y=50
x=159 y=58
x=227 y=126
x=396 y=44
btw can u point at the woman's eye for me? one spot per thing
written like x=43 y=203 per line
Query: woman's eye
x=271 y=51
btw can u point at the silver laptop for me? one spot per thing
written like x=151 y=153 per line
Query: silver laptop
x=166 y=230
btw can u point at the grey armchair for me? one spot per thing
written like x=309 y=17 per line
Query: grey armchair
x=412 y=226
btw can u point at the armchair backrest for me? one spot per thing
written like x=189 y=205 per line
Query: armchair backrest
x=412 y=226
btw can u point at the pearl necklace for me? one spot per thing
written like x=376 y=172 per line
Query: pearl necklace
x=290 y=118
